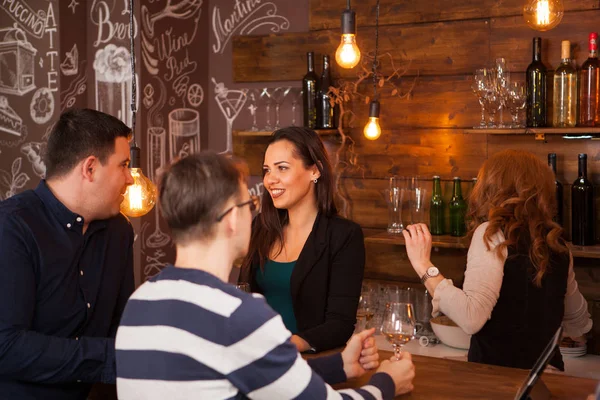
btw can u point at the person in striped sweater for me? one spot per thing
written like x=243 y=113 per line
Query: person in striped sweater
x=187 y=333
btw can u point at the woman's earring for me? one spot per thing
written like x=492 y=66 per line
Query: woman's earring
x=315 y=180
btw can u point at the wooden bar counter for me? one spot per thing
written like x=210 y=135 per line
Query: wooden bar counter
x=438 y=378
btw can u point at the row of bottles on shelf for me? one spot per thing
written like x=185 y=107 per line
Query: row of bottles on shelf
x=575 y=99
x=319 y=110
x=582 y=203
x=457 y=208
x=582 y=206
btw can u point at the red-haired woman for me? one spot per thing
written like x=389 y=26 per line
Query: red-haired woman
x=519 y=284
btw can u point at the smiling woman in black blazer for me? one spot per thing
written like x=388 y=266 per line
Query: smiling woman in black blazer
x=305 y=259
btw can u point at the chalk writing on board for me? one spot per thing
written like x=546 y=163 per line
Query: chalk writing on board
x=26 y=17
x=245 y=18
x=107 y=29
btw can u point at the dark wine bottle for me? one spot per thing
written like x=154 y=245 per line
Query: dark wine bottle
x=436 y=208
x=309 y=94
x=558 y=216
x=535 y=78
x=582 y=207
x=458 y=209
x=324 y=108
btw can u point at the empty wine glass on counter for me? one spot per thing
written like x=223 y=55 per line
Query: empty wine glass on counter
x=398 y=325
x=265 y=97
x=278 y=96
x=395 y=198
x=502 y=79
x=296 y=98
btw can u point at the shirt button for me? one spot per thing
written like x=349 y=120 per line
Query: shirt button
x=78 y=381
x=76 y=337
x=89 y=305
x=68 y=225
x=81 y=272
x=78 y=219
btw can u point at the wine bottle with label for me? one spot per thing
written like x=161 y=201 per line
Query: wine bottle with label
x=309 y=94
x=582 y=207
x=535 y=78
x=558 y=217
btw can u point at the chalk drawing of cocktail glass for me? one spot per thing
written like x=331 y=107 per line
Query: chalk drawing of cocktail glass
x=296 y=98
x=184 y=130
x=231 y=103
x=157 y=158
x=113 y=82
x=278 y=96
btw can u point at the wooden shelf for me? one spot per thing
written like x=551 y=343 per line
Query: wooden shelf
x=444 y=241
x=451 y=242
x=539 y=133
x=321 y=132
x=585 y=251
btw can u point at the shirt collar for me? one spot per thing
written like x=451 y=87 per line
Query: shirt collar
x=66 y=217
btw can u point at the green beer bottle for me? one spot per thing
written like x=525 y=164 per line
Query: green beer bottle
x=458 y=209
x=436 y=210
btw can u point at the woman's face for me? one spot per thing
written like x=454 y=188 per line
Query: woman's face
x=285 y=177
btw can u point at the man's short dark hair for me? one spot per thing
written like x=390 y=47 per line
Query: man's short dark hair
x=78 y=134
x=193 y=192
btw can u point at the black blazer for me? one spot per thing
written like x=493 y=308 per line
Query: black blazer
x=326 y=282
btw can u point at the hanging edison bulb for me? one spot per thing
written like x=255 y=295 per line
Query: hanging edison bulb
x=543 y=15
x=347 y=54
x=372 y=130
x=140 y=196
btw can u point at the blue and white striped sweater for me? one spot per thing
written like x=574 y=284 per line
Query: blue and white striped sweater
x=186 y=334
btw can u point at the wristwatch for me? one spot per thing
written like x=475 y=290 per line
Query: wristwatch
x=431 y=272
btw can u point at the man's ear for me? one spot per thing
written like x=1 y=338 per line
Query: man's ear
x=88 y=168
x=232 y=221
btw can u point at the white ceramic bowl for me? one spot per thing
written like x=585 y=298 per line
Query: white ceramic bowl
x=449 y=333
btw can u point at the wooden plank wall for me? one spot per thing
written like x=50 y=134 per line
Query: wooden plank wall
x=442 y=42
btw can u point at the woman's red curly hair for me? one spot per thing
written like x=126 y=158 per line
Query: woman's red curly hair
x=515 y=193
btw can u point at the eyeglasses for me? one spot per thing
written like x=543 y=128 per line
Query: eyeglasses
x=254 y=204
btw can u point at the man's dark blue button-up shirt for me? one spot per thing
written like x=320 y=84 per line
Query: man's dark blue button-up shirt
x=62 y=293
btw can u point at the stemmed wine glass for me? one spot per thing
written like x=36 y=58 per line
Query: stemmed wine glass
x=253 y=95
x=515 y=101
x=265 y=95
x=296 y=98
x=480 y=86
x=398 y=325
x=366 y=309
x=278 y=96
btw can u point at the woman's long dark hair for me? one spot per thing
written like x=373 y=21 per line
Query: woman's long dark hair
x=268 y=225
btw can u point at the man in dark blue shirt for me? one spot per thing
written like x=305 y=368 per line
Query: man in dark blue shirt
x=66 y=264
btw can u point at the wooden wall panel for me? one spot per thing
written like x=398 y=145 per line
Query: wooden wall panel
x=512 y=39
x=326 y=14
x=435 y=102
x=435 y=49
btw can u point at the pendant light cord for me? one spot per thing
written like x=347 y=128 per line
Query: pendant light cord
x=348 y=4
x=375 y=61
x=133 y=80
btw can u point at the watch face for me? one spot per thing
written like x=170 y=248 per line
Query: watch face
x=433 y=271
